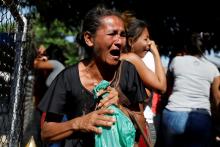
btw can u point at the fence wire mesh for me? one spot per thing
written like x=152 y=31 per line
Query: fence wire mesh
x=14 y=66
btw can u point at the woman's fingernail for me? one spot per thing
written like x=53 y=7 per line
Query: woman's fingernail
x=100 y=130
x=109 y=123
x=113 y=119
x=99 y=105
x=112 y=111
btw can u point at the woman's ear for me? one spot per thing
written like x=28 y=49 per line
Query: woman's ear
x=88 y=39
x=130 y=42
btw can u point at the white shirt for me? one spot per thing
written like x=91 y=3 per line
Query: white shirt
x=149 y=61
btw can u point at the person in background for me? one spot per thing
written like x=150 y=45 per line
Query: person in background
x=186 y=119
x=103 y=36
x=215 y=109
x=50 y=59
x=48 y=63
x=141 y=47
x=40 y=75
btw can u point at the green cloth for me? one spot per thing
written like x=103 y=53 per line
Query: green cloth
x=121 y=133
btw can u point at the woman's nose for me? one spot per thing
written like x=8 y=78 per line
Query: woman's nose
x=119 y=39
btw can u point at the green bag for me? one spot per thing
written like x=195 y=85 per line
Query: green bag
x=121 y=133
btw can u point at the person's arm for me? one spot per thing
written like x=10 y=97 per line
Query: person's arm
x=159 y=69
x=56 y=131
x=53 y=130
x=215 y=89
x=42 y=63
x=155 y=81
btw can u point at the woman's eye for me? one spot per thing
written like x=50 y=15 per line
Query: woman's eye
x=111 y=34
x=123 y=34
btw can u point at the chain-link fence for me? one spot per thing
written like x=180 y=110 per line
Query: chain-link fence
x=13 y=72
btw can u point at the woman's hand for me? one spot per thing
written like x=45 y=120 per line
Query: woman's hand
x=152 y=46
x=111 y=98
x=91 y=121
x=42 y=58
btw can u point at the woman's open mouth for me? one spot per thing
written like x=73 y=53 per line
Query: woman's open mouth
x=115 y=53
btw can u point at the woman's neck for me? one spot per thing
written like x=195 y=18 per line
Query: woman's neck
x=91 y=73
x=99 y=70
x=102 y=71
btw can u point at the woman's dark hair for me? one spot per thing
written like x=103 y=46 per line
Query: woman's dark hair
x=189 y=43
x=92 y=22
x=134 y=29
x=194 y=44
x=54 y=52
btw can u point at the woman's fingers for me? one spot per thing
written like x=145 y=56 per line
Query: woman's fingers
x=111 y=101
x=91 y=121
x=95 y=129
x=101 y=92
x=151 y=44
x=105 y=111
x=104 y=123
x=111 y=98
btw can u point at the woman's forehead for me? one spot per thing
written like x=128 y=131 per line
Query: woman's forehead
x=112 y=21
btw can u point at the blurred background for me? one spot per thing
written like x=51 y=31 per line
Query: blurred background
x=57 y=22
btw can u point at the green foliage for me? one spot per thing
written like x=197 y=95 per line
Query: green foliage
x=8 y=27
x=55 y=34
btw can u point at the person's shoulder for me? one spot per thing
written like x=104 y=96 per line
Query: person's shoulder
x=180 y=58
x=132 y=58
x=209 y=63
x=127 y=65
x=55 y=62
x=70 y=69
